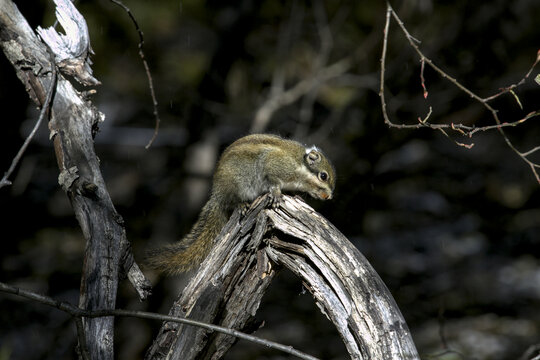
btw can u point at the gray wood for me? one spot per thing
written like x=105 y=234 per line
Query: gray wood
x=73 y=123
x=228 y=287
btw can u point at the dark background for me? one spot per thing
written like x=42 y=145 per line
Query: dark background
x=454 y=233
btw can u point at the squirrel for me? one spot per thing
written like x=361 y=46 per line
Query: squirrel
x=249 y=167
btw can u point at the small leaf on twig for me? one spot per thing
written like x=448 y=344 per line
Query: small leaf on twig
x=517 y=99
x=537 y=79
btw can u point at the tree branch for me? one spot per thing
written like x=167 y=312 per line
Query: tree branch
x=79 y=313
x=459 y=128
x=74 y=122
x=44 y=110
x=146 y=69
x=230 y=283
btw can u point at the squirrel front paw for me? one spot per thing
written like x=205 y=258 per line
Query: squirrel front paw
x=276 y=198
x=244 y=207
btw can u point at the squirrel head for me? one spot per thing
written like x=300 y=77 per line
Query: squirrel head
x=319 y=165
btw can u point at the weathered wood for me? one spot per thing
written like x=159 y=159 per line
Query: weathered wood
x=73 y=122
x=226 y=290
x=230 y=283
x=72 y=51
x=345 y=286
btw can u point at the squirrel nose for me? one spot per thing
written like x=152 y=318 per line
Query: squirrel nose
x=326 y=196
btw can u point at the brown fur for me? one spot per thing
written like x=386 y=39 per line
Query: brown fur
x=251 y=166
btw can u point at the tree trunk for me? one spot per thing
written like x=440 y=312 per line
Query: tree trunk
x=73 y=122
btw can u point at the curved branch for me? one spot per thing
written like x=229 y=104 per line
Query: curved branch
x=146 y=69
x=229 y=285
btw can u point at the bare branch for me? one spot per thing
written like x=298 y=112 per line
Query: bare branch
x=44 y=110
x=460 y=128
x=146 y=68
x=521 y=82
x=308 y=87
x=287 y=97
x=532 y=151
x=79 y=313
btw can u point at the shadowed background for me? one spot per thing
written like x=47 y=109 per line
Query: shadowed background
x=454 y=233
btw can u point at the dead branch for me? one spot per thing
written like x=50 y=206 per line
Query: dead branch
x=73 y=123
x=228 y=287
x=78 y=314
x=146 y=69
x=44 y=110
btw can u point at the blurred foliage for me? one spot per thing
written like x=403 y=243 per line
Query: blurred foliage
x=453 y=232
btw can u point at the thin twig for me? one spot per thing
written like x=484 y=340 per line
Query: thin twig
x=383 y=65
x=146 y=68
x=83 y=348
x=533 y=150
x=82 y=313
x=510 y=124
x=44 y=110
x=519 y=83
x=422 y=80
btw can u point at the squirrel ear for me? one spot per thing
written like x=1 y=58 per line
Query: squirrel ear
x=312 y=157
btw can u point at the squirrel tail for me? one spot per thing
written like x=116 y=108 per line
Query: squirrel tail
x=192 y=249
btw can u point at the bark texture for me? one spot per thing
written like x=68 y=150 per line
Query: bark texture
x=73 y=123
x=230 y=283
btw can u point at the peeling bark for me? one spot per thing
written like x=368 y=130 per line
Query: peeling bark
x=73 y=123
x=229 y=285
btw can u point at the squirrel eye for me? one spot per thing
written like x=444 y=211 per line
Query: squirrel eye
x=323 y=176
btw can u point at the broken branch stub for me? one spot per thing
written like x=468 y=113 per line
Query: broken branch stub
x=72 y=51
x=229 y=285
